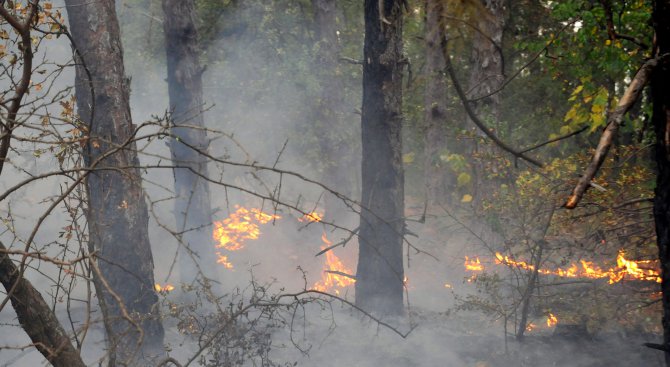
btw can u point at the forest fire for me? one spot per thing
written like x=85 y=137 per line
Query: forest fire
x=163 y=288
x=311 y=217
x=552 y=320
x=625 y=269
x=242 y=225
x=473 y=265
x=335 y=273
x=334 y=278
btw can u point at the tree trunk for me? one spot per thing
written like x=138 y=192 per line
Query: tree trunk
x=36 y=317
x=437 y=179
x=660 y=91
x=117 y=213
x=486 y=76
x=379 y=284
x=334 y=142
x=192 y=206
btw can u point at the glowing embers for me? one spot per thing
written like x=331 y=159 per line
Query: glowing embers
x=625 y=269
x=335 y=276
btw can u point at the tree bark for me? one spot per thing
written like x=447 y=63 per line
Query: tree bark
x=192 y=206
x=36 y=317
x=379 y=285
x=334 y=142
x=660 y=92
x=117 y=213
x=438 y=182
x=486 y=76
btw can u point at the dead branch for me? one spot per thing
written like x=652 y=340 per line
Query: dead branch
x=562 y=137
x=615 y=119
x=351 y=61
x=340 y=273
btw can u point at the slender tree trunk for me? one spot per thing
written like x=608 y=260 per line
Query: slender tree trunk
x=660 y=92
x=379 y=284
x=335 y=144
x=436 y=172
x=486 y=76
x=192 y=206
x=117 y=213
x=36 y=317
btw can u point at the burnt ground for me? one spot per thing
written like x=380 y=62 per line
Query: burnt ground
x=606 y=350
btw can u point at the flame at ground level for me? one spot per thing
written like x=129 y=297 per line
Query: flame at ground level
x=625 y=269
x=551 y=320
x=334 y=278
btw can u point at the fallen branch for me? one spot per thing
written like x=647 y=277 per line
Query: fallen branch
x=614 y=120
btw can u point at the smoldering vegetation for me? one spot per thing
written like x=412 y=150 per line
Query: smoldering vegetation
x=517 y=284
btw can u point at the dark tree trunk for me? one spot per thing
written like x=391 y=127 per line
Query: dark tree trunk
x=117 y=213
x=192 y=207
x=334 y=142
x=660 y=91
x=486 y=76
x=436 y=172
x=379 y=284
x=36 y=317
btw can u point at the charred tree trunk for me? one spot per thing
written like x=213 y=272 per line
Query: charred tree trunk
x=379 y=284
x=334 y=141
x=486 y=76
x=117 y=213
x=660 y=91
x=437 y=179
x=192 y=207
x=36 y=317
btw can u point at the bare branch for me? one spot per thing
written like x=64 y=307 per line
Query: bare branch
x=473 y=116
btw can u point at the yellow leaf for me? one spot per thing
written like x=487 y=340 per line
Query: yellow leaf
x=463 y=179
x=408 y=158
x=466 y=198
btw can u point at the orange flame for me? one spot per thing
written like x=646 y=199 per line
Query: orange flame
x=333 y=282
x=551 y=320
x=243 y=225
x=223 y=260
x=625 y=269
x=311 y=217
x=166 y=288
x=473 y=265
